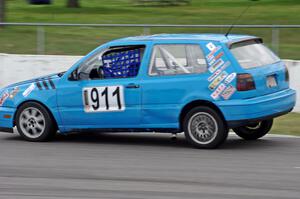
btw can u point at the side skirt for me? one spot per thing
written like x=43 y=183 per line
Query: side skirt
x=6 y=130
x=116 y=130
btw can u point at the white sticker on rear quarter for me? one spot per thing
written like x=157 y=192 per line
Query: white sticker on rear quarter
x=217 y=80
x=217 y=64
x=228 y=92
x=217 y=72
x=211 y=46
x=218 y=91
x=230 y=78
x=29 y=90
x=216 y=58
x=214 y=75
x=210 y=56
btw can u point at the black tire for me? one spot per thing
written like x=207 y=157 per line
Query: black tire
x=28 y=118
x=210 y=126
x=254 y=131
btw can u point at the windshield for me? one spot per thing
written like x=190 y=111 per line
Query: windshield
x=95 y=61
x=252 y=54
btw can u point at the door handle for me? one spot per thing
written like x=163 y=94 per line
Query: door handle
x=132 y=85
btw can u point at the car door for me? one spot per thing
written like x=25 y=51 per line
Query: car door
x=177 y=74
x=106 y=92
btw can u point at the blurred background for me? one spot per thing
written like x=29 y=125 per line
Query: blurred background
x=38 y=37
x=66 y=40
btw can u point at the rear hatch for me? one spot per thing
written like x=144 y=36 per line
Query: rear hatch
x=267 y=70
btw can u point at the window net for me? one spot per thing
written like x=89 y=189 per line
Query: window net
x=121 y=64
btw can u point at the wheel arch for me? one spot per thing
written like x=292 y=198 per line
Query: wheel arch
x=40 y=103
x=197 y=103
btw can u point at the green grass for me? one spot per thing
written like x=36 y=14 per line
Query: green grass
x=78 y=41
x=288 y=124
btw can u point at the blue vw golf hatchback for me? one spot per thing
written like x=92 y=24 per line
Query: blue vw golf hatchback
x=199 y=84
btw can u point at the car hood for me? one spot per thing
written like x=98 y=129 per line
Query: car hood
x=51 y=76
x=41 y=89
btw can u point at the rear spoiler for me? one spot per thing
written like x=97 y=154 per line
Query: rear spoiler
x=256 y=39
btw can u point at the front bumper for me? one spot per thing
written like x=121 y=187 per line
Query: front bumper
x=243 y=111
x=6 y=124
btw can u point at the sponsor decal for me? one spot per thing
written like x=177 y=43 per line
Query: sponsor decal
x=4 y=97
x=228 y=92
x=225 y=65
x=215 y=74
x=218 y=56
x=14 y=92
x=218 y=91
x=210 y=56
x=29 y=90
x=214 y=67
x=211 y=46
x=218 y=80
x=211 y=62
x=230 y=78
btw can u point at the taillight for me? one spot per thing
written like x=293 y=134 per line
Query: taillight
x=245 y=82
x=286 y=74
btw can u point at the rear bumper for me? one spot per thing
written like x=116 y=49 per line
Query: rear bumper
x=6 y=124
x=241 y=112
x=238 y=123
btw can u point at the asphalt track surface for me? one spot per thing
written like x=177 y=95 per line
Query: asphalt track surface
x=148 y=166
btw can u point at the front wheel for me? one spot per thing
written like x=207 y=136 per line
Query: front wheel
x=34 y=123
x=204 y=128
x=255 y=130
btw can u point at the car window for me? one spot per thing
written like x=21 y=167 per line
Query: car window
x=172 y=59
x=115 y=62
x=251 y=54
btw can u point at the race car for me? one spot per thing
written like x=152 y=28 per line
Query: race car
x=199 y=84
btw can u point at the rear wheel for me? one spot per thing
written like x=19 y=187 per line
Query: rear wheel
x=255 y=130
x=34 y=123
x=204 y=128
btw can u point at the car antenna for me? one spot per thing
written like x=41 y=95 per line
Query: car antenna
x=237 y=20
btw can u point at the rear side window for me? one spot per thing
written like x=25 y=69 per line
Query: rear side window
x=175 y=59
x=252 y=54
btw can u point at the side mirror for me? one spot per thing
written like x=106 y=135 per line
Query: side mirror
x=73 y=76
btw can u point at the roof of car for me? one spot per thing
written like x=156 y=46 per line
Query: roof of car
x=210 y=37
